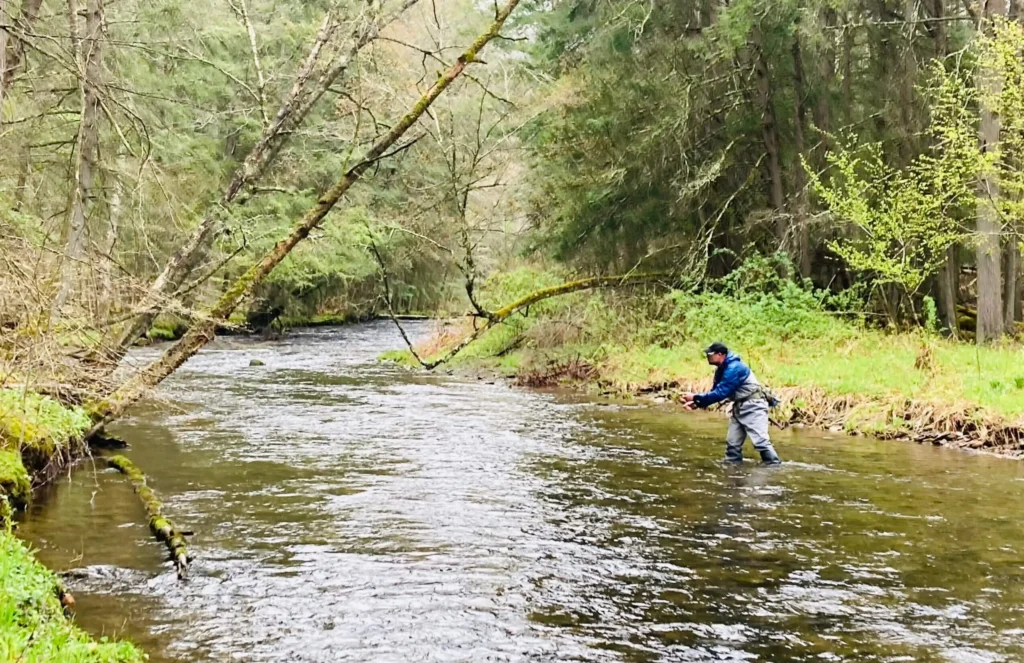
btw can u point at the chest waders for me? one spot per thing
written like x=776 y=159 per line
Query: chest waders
x=749 y=418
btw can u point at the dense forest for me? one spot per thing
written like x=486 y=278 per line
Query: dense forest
x=161 y=160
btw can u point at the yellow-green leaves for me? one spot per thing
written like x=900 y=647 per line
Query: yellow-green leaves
x=905 y=218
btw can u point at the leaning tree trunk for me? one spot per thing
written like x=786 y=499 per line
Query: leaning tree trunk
x=202 y=332
x=305 y=93
x=89 y=61
x=989 y=254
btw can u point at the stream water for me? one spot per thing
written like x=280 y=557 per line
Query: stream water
x=346 y=510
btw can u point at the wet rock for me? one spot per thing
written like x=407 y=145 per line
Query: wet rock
x=256 y=362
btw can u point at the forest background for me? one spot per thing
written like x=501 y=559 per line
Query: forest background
x=793 y=178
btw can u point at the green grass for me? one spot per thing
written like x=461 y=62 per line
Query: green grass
x=782 y=328
x=869 y=363
x=32 y=623
x=28 y=419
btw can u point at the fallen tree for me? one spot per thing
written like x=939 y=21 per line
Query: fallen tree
x=499 y=316
x=202 y=332
x=308 y=88
x=162 y=528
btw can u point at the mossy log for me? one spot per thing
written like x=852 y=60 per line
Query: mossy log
x=163 y=529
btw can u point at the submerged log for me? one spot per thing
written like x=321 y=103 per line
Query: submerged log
x=163 y=529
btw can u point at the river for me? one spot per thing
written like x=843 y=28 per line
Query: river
x=347 y=510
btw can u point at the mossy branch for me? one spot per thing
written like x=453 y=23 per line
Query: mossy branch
x=505 y=312
x=163 y=529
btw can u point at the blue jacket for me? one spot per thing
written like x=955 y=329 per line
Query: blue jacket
x=728 y=378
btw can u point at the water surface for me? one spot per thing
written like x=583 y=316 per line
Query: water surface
x=346 y=510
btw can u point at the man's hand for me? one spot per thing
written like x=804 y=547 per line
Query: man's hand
x=688 y=402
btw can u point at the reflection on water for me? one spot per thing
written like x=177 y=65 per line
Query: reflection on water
x=350 y=511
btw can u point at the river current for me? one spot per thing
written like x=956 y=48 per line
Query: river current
x=348 y=510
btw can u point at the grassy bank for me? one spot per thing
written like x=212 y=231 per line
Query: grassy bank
x=833 y=369
x=36 y=437
x=32 y=622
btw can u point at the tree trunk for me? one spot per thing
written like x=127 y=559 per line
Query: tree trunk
x=203 y=331
x=800 y=211
x=909 y=75
x=24 y=170
x=989 y=255
x=949 y=274
x=949 y=286
x=5 y=41
x=941 y=38
x=770 y=135
x=292 y=112
x=848 y=70
x=106 y=258
x=1011 y=279
x=89 y=51
x=827 y=72
x=12 y=49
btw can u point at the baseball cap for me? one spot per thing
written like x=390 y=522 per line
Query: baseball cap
x=716 y=349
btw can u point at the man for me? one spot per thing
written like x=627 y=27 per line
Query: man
x=736 y=382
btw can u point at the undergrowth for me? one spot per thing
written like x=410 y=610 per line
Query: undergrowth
x=33 y=628
x=34 y=427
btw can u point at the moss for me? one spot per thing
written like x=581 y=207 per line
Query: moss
x=402 y=357
x=38 y=423
x=167 y=328
x=33 y=430
x=318 y=320
x=33 y=627
x=15 y=483
x=162 y=528
x=161 y=334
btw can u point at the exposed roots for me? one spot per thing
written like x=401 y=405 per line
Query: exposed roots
x=162 y=528
x=556 y=373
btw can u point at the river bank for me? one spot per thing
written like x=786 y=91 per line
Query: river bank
x=38 y=438
x=884 y=392
x=832 y=371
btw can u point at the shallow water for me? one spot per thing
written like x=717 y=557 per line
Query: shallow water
x=346 y=510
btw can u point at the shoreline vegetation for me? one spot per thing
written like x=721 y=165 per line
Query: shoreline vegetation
x=38 y=438
x=832 y=368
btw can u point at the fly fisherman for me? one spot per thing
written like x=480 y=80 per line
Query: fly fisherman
x=750 y=403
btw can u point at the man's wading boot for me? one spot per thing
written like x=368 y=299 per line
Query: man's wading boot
x=769 y=457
